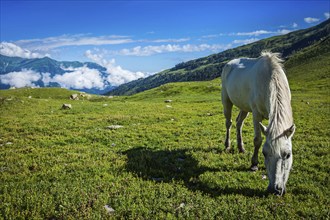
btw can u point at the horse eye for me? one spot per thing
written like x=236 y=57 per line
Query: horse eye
x=287 y=156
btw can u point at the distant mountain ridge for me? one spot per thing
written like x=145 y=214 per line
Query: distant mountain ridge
x=51 y=66
x=45 y=64
x=210 y=67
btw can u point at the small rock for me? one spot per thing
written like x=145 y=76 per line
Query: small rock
x=9 y=143
x=110 y=97
x=109 y=209
x=74 y=97
x=66 y=106
x=182 y=205
x=30 y=97
x=104 y=105
x=168 y=101
x=263 y=177
x=113 y=127
x=168 y=106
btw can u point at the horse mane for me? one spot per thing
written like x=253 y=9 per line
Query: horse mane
x=280 y=115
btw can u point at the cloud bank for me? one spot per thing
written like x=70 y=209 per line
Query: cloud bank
x=117 y=75
x=20 y=79
x=80 y=78
x=77 y=78
x=12 y=50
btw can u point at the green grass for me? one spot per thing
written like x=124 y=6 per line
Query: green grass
x=166 y=162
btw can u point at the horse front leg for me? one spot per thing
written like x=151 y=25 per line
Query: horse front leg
x=257 y=141
x=239 y=125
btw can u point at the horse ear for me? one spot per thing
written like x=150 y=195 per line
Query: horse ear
x=262 y=128
x=290 y=131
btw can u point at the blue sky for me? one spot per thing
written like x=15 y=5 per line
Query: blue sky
x=146 y=36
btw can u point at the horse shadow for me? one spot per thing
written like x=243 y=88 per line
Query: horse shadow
x=179 y=165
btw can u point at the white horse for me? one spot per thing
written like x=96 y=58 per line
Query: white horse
x=259 y=85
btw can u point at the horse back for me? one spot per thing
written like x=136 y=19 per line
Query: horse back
x=244 y=83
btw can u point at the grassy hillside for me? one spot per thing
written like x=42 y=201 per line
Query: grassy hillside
x=166 y=162
x=208 y=68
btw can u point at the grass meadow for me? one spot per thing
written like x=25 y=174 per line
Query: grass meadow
x=166 y=162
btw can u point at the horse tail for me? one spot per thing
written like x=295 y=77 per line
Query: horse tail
x=225 y=70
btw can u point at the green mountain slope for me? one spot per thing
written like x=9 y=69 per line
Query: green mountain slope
x=308 y=69
x=208 y=68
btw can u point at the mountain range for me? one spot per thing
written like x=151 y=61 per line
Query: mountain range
x=210 y=67
x=47 y=72
x=51 y=69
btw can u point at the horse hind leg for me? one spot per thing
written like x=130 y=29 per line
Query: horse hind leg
x=227 y=106
x=239 y=125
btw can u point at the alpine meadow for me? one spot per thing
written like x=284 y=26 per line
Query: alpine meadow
x=159 y=154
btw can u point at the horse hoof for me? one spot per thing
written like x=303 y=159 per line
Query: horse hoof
x=227 y=149
x=254 y=168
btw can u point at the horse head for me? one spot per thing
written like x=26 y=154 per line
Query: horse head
x=278 y=158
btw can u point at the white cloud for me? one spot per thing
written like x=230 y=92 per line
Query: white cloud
x=168 y=48
x=169 y=40
x=253 y=33
x=310 y=20
x=284 y=31
x=210 y=36
x=264 y=32
x=24 y=78
x=79 y=78
x=46 y=44
x=327 y=15
x=245 y=41
x=117 y=75
x=12 y=50
x=46 y=79
x=294 y=25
